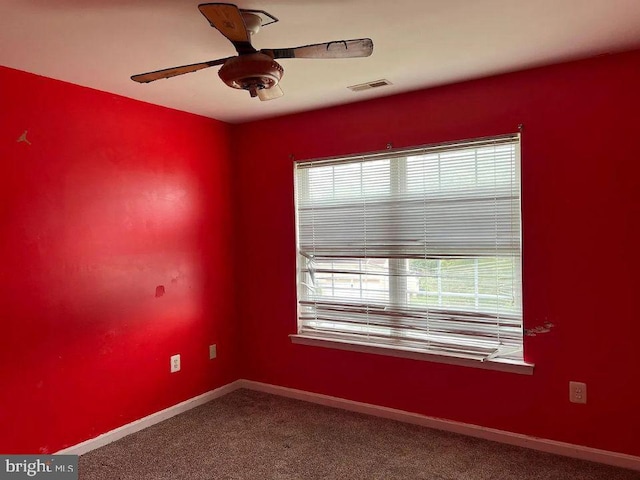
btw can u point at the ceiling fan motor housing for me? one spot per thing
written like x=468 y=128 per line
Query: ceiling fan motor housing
x=255 y=71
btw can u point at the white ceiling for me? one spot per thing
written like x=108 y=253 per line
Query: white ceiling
x=417 y=44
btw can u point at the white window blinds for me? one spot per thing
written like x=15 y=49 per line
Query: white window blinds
x=416 y=249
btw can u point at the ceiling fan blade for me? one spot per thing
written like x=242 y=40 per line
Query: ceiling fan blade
x=227 y=18
x=270 y=93
x=361 y=47
x=175 y=71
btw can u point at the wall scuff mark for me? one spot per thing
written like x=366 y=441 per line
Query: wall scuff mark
x=23 y=138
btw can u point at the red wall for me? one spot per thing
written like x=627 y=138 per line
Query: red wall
x=112 y=198
x=581 y=205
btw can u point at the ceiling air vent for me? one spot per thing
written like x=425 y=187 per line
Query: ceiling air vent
x=369 y=85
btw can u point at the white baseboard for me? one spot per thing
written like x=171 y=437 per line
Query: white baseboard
x=550 y=446
x=136 y=426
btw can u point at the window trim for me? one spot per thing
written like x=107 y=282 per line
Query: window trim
x=491 y=363
x=497 y=364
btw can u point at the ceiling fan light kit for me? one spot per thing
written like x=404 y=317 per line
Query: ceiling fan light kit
x=256 y=70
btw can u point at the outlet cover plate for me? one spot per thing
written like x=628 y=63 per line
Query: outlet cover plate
x=175 y=363
x=212 y=351
x=577 y=392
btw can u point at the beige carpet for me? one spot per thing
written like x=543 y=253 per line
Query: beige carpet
x=252 y=435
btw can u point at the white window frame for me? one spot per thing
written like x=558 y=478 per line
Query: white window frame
x=397 y=284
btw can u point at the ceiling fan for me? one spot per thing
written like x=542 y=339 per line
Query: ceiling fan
x=256 y=70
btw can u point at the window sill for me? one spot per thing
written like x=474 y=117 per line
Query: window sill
x=500 y=365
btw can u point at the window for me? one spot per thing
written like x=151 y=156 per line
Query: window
x=416 y=250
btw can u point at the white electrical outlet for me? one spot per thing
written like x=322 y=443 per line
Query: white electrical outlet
x=212 y=351
x=175 y=363
x=577 y=392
